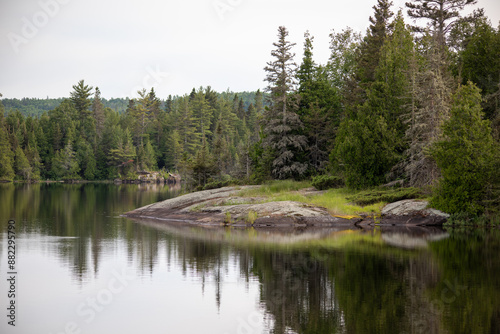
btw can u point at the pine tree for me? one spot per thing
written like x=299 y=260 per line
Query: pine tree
x=281 y=120
x=203 y=113
x=252 y=122
x=220 y=148
x=90 y=170
x=393 y=78
x=150 y=162
x=85 y=158
x=319 y=109
x=187 y=126
x=128 y=155
x=174 y=150
x=65 y=164
x=34 y=159
x=259 y=111
x=441 y=13
x=98 y=112
x=80 y=96
x=142 y=116
x=373 y=41
x=467 y=156
x=259 y=102
x=22 y=166
x=169 y=104
x=203 y=165
x=121 y=154
x=157 y=119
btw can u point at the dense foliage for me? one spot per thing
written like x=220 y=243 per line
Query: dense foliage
x=380 y=110
x=467 y=156
x=203 y=135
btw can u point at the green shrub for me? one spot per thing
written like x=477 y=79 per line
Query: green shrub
x=323 y=182
x=372 y=196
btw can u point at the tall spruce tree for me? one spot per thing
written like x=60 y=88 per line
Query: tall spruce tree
x=282 y=123
x=393 y=77
x=319 y=108
x=372 y=43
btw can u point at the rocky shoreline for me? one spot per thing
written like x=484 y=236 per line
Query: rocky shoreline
x=223 y=207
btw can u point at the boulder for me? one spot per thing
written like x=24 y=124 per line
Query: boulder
x=412 y=207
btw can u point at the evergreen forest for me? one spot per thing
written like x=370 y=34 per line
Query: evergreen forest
x=417 y=104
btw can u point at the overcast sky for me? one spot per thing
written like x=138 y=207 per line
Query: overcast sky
x=121 y=46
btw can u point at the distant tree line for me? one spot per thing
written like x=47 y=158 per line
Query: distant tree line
x=413 y=103
x=35 y=107
x=201 y=135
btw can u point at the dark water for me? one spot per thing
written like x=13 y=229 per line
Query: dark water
x=82 y=269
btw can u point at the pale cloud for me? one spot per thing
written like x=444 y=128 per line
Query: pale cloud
x=113 y=44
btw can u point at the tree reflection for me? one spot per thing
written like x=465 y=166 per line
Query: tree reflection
x=297 y=291
x=451 y=287
x=86 y=212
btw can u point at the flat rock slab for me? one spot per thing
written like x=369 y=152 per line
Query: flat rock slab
x=178 y=203
x=208 y=208
x=283 y=208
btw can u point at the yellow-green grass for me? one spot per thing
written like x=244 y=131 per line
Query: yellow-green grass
x=334 y=200
x=336 y=203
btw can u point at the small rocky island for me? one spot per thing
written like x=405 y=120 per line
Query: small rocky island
x=224 y=206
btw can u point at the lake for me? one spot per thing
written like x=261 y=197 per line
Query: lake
x=79 y=267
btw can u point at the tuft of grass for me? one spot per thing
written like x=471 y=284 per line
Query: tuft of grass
x=227 y=219
x=251 y=217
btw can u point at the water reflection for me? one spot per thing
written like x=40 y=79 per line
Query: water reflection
x=84 y=211
x=244 y=281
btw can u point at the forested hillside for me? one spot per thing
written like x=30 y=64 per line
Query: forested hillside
x=414 y=103
x=36 y=107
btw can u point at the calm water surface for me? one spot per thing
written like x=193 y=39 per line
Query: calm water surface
x=83 y=269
